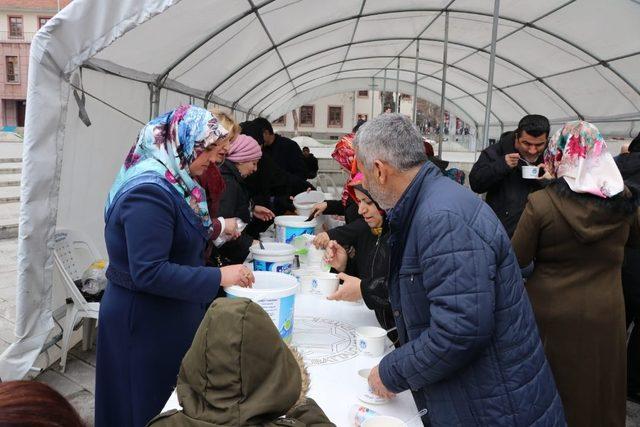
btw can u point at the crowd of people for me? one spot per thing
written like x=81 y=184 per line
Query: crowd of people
x=511 y=310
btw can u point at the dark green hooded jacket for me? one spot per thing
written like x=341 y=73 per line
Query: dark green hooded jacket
x=239 y=372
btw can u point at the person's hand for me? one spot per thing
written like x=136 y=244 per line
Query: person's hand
x=335 y=255
x=236 y=274
x=321 y=240
x=263 y=213
x=318 y=209
x=348 y=291
x=512 y=160
x=547 y=174
x=376 y=386
x=230 y=226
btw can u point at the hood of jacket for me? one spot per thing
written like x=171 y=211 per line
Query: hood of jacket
x=238 y=371
x=591 y=218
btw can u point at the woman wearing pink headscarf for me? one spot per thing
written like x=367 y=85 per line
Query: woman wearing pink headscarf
x=242 y=161
x=574 y=231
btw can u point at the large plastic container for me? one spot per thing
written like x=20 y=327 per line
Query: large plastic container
x=276 y=294
x=289 y=227
x=304 y=202
x=275 y=257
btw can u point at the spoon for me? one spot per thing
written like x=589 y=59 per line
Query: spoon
x=416 y=416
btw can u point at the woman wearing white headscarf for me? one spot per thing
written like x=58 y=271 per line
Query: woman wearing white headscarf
x=574 y=231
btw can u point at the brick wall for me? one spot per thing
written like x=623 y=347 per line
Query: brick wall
x=34 y=5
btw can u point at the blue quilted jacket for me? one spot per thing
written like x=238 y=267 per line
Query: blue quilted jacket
x=471 y=352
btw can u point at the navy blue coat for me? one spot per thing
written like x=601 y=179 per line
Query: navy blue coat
x=156 y=297
x=471 y=350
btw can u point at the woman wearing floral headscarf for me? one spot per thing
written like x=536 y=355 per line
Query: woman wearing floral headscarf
x=156 y=226
x=575 y=232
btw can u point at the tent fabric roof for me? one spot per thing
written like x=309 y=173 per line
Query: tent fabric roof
x=554 y=57
x=114 y=64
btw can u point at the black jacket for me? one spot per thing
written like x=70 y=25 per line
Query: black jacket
x=506 y=190
x=288 y=155
x=312 y=165
x=629 y=165
x=350 y=212
x=371 y=266
x=346 y=234
x=235 y=202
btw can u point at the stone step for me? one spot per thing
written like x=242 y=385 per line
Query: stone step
x=9 y=219
x=11 y=160
x=10 y=168
x=10 y=180
x=9 y=194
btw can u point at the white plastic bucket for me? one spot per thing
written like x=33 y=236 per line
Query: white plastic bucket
x=275 y=257
x=276 y=294
x=290 y=226
x=304 y=202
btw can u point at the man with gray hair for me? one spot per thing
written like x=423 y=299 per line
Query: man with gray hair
x=470 y=353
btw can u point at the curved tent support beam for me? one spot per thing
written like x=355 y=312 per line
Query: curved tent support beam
x=162 y=76
x=514 y=100
x=319 y=52
x=353 y=35
x=474 y=97
x=523 y=25
x=273 y=43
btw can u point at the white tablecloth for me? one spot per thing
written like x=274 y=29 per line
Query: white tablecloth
x=324 y=332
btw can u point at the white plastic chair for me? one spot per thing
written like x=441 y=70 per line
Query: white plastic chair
x=73 y=253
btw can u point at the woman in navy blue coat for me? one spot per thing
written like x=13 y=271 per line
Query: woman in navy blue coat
x=157 y=225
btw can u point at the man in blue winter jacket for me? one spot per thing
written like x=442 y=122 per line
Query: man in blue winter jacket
x=470 y=353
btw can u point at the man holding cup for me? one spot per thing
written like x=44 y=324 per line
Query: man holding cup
x=470 y=353
x=508 y=170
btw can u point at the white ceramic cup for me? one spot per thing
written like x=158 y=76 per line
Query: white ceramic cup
x=371 y=340
x=324 y=284
x=530 y=172
x=383 y=421
x=305 y=277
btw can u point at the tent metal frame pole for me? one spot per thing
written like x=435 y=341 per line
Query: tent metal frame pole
x=398 y=88
x=372 y=97
x=492 y=63
x=444 y=82
x=415 y=84
x=155 y=101
x=384 y=89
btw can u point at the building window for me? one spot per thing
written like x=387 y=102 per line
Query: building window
x=307 y=114
x=334 y=119
x=15 y=27
x=13 y=75
x=363 y=94
x=42 y=20
x=280 y=121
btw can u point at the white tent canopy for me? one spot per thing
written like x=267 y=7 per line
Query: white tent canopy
x=565 y=59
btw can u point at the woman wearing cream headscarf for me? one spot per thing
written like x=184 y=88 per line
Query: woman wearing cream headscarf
x=574 y=231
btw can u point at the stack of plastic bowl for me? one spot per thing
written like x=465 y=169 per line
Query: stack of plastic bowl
x=304 y=202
